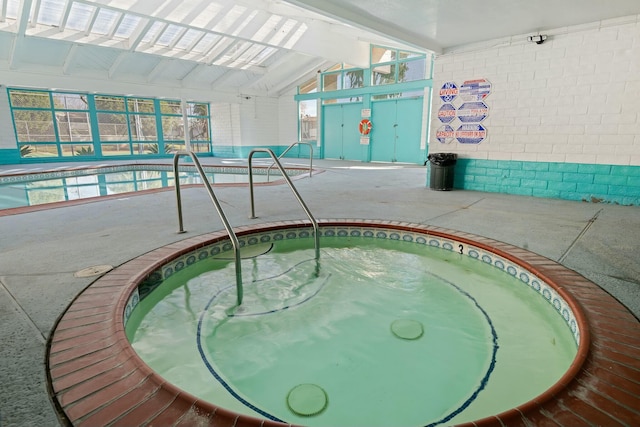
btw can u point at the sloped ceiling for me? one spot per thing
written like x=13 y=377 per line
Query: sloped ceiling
x=254 y=46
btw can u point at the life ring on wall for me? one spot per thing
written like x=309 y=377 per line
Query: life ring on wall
x=365 y=126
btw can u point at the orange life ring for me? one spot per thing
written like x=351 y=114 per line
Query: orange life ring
x=365 y=126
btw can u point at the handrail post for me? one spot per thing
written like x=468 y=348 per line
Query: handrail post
x=289 y=148
x=314 y=223
x=216 y=204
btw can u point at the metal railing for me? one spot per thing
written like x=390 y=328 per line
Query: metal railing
x=287 y=150
x=314 y=223
x=214 y=199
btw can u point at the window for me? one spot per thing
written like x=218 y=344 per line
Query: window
x=308 y=120
x=127 y=125
x=198 y=123
x=389 y=66
x=61 y=124
x=346 y=78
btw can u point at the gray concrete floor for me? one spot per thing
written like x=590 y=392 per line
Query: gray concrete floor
x=40 y=251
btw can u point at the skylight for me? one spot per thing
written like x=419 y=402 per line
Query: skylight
x=221 y=32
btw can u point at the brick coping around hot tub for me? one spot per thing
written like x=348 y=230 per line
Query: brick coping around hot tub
x=95 y=378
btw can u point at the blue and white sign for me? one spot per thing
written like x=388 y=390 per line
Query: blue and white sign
x=471 y=134
x=475 y=90
x=448 y=91
x=445 y=134
x=447 y=113
x=472 y=112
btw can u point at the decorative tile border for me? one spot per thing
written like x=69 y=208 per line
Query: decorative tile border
x=546 y=291
x=69 y=173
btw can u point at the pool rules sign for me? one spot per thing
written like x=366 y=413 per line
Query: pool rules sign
x=462 y=111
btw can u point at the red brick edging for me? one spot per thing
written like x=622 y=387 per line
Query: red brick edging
x=95 y=377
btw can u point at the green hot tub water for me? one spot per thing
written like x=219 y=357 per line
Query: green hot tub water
x=379 y=333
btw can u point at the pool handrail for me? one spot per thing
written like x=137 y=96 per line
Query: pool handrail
x=314 y=223
x=216 y=204
x=287 y=150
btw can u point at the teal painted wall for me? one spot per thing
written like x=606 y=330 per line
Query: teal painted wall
x=9 y=156
x=242 y=152
x=571 y=181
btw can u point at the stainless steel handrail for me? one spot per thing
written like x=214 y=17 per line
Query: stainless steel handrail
x=214 y=199
x=291 y=186
x=289 y=148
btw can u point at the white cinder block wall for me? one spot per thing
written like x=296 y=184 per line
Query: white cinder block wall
x=573 y=99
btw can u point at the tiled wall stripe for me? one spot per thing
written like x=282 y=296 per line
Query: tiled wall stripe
x=571 y=181
x=526 y=277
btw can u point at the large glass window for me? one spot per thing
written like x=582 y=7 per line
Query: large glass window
x=346 y=77
x=389 y=66
x=61 y=124
x=130 y=121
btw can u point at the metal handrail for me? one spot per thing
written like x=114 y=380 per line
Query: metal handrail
x=291 y=186
x=287 y=150
x=214 y=199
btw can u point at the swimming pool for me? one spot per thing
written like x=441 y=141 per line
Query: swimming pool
x=47 y=187
x=118 y=292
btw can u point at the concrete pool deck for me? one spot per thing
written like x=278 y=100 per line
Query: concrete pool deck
x=41 y=251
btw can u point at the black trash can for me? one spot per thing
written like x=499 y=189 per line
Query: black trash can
x=442 y=170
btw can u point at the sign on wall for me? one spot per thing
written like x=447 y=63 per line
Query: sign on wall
x=448 y=91
x=447 y=113
x=475 y=90
x=471 y=134
x=462 y=111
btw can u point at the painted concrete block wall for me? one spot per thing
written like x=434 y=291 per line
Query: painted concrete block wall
x=573 y=100
x=255 y=121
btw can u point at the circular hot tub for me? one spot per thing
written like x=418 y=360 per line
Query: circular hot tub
x=97 y=375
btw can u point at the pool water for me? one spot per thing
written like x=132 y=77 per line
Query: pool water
x=485 y=342
x=50 y=187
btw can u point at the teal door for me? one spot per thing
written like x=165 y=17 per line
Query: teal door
x=397 y=128
x=340 y=132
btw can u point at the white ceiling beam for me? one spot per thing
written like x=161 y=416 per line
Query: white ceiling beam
x=218 y=49
x=139 y=33
x=113 y=69
x=23 y=21
x=168 y=7
x=178 y=37
x=218 y=17
x=157 y=70
x=65 y=15
x=368 y=23
x=3 y=11
x=36 y=10
x=196 y=11
x=115 y=25
x=91 y=20
x=68 y=61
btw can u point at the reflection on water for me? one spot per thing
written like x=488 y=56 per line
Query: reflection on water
x=65 y=188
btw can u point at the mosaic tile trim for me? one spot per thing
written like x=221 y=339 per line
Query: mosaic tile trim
x=237 y=170
x=526 y=277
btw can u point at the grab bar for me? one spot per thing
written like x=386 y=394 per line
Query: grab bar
x=289 y=148
x=291 y=186
x=214 y=199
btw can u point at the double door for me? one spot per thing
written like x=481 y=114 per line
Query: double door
x=397 y=128
x=395 y=137
x=340 y=132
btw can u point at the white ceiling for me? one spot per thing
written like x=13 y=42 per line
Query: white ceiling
x=254 y=46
